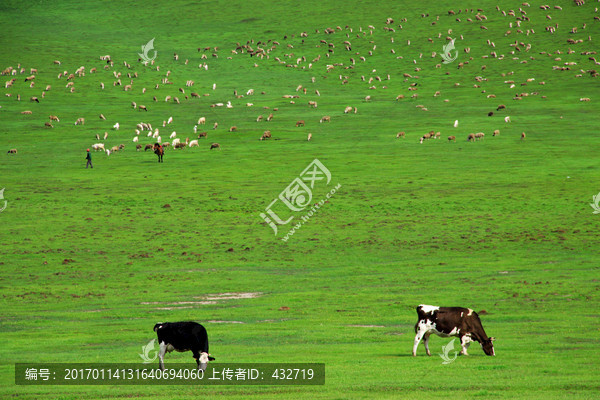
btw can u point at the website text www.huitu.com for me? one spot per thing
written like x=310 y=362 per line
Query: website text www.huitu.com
x=310 y=213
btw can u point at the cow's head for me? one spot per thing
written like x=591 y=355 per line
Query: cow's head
x=204 y=359
x=157 y=327
x=488 y=347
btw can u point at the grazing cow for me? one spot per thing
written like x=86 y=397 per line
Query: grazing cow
x=300 y=123
x=471 y=137
x=202 y=134
x=183 y=336
x=148 y=147
x=400 y=134
x=160 y=152
x=325 y=118
x=12 y=151
x=452 y=138
x=215 y=146
x=463 y=323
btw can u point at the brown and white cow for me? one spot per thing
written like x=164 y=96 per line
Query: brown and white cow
x=463 y=323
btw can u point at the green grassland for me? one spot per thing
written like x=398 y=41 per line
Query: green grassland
x=91 y=259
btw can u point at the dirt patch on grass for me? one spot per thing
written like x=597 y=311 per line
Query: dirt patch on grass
x=366 y=326
x=231 y=296
x=178 y=303
x=216 y=321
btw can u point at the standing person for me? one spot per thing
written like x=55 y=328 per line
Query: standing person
x=88 y=157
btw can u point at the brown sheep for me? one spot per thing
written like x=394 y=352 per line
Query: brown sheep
x=266 y=135
x=522 y=135
x=471 y=137
x=480 y=135
x=148 y=147
x=233 y=129
x=300 y=123
x=259 y=118
x=215 y=146
x=501 y=107
x=400 y=134
x=202 y=135
x=452 y=138
x=496 y=132
x=326 y=118
x=54 y=118
x=12 y=151
x=270 y=118
x=138 y=147
x=142 y=107
x=48 y=125
x=26 y=112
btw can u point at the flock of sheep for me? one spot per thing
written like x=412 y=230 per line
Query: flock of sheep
x=271 y=50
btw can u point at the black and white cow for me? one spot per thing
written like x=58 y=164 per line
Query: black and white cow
x=461 y=322
x=183 y=336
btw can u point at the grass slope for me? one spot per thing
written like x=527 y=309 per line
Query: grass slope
x=91 y=259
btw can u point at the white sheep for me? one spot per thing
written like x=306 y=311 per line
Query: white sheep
x=456 y=124
x=135 y=139
x=507 y=119
x=105 y=135
x=173 y=135
x=229 y=104
x=194 y=143
x=195 y=128
x=201 y=120
x=170 y=120
x=116 y=126
x=175 y=142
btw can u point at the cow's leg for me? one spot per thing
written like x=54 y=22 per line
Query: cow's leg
x=161 y=355
x=197 y=358
x=418 y=338
x=426 y=342
x=465 y=341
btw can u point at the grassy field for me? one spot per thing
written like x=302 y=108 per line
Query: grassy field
x=91 y=259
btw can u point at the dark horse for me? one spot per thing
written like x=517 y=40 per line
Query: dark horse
x=159 y=151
